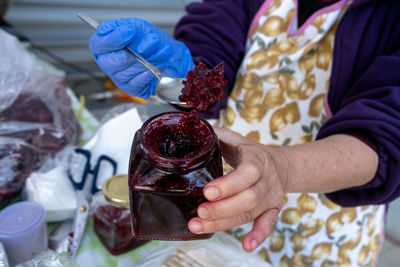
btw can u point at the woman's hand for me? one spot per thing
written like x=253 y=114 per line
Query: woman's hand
x=253 y=191
x=172 y=57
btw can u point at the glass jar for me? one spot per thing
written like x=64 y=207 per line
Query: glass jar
x=112 y=220
x=173 y=156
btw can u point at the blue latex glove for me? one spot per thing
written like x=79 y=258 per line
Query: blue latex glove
x=172 y=57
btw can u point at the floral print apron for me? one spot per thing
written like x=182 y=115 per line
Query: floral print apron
x=278 y=100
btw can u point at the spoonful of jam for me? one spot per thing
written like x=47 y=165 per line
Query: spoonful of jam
x=201 y=87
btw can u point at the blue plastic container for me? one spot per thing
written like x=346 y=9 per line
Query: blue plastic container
x=23 y=231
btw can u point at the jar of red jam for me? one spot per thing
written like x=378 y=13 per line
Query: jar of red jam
x=173 y=156
x=112 y=220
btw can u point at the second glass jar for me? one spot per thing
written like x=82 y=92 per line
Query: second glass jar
x=112 y=220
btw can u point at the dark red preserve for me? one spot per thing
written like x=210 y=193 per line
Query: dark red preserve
x=203 y=86
x=174 y=155
x=112 y=219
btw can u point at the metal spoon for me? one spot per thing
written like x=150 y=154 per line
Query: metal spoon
x=168 y=89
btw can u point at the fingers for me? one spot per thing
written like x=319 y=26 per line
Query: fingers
x=262 y=227
x=110 y=25
x=157 y=47
x=143 y=85
x=134 y=79
x=263 y=224
x=199 y=226
x=245 y=203
x=140 y=88
x=248 y=160
x=229 y=153
x=244 y=176
x=113 y=36
x=135 y=76
x=130 y=75
x=250 y=165
x=145 y=44
x=245 y=194
x=115 y=62
x=112 y=41
x=229 y=141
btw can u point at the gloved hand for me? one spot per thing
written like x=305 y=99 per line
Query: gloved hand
x=172 y=57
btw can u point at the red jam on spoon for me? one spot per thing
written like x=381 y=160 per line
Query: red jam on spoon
x=203 y=86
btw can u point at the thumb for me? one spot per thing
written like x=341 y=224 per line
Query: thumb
x=229 y=140
x=230 y=137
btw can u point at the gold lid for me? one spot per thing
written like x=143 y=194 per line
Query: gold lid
x=116 y=190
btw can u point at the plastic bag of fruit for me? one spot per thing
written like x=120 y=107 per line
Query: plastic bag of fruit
x=36 y=119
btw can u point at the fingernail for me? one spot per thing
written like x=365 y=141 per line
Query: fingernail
x=253 y=244
x=211 y=193
x=203 y=213
x=196 y=226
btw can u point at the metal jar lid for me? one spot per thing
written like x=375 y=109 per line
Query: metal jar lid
x=116 y=190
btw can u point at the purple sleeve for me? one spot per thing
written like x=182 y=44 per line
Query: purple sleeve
x=374 y=112
x=364 y=95
x=371 y=108
x=216 y=31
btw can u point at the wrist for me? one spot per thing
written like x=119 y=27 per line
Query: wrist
x=282 y=167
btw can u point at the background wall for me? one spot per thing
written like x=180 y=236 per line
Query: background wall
x=54 y=24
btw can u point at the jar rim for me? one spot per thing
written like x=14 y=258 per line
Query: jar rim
x=170 y=161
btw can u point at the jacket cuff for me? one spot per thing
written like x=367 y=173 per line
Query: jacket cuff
x=371 y=193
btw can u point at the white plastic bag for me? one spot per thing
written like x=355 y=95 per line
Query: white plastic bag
x=51 y=187
x=114 y=139
x=36 y=119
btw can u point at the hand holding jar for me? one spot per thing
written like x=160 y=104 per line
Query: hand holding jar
x=252 y=192
x=255 y=190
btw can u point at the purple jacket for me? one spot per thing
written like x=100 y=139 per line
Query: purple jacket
x=364 y=94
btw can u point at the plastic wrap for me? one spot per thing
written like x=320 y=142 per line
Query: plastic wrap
x=220 y=251
x=49 y=258
x=36 y=119
x=12 y=82
x=3 y=257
